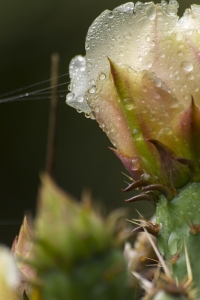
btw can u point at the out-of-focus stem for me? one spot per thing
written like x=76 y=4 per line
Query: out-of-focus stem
x=51 y=141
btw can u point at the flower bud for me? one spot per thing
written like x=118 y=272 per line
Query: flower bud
x=140 y=79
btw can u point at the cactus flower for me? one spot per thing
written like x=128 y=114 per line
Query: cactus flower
x=140 y=81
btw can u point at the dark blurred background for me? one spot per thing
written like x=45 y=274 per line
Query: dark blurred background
x=30 y=31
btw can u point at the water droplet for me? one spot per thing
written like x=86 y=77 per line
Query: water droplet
x=195 y=195
x=89 y=64
x=137 y=134
x=152 y=15
x=190 y=214
x=92 y=115
x=130 y=70
x=127 y=35
x=158 y=82
x=181 y=45
x=92 y=90
x=69 y=96
x=87 y=46
x=157 y=95
x=128 y=103
x=102 y=76
x=110 y=15
x=187 y=66
x=82 y=69
x=179 y=52
x=96 y=109
x=179 y=36
x=87 y=116
x=190 y=76
x=145 y=176
x=165 y=131
x=173 y=243
x=139 y=58
x=144 y=89
x=80 y=58
x=149 y=64
x=80 y=99
x=147 y=38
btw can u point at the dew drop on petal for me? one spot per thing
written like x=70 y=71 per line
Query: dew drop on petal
x=128 y=103
x=179 y=52
x=92 y=115
x=190 y=76
x=137 y=134
x=179 y=36
x=147 y=38
x=157 y=95
x=149 y=64
x=92 y=90
x=181 y=45
x=102 y=76
x=87 y=116
x=162 y=55
x=82 y=69
x=89 y=64
x=111 y=15
x=69 y=96
x=127 y=35
x=80 y=99
x=130 y=70
x=158 y=82
x=187 y=66
x=96 y=109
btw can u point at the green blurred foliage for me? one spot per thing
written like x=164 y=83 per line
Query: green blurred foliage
x=30 y=31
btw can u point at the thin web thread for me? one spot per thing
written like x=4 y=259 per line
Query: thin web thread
x=26 y=96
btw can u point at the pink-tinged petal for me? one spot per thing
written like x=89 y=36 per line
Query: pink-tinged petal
x=132 y=164
x=177 y=65
x=103 y=100
x=147 y=108
x=127 y=96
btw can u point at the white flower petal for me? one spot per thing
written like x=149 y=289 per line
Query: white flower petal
x=78 y=85
x=128 y=36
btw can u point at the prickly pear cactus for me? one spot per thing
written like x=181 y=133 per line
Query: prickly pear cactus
x=77 y=253
x=140 y=81
x=179 y=238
